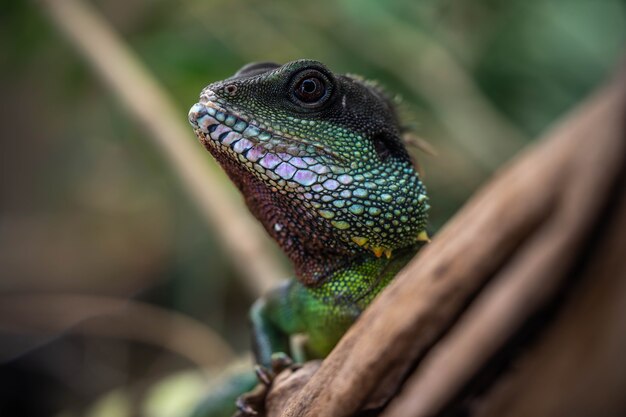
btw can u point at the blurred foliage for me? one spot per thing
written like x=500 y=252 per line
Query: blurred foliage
x=89 y=206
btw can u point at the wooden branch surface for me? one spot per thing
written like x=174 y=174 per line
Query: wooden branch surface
x=539 y=267
x=505 y=256
x=578 y=367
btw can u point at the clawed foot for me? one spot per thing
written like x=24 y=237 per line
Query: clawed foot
x=253 y=403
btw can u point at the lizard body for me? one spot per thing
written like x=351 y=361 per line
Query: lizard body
x=320 y=162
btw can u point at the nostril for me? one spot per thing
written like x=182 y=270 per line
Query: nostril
x=231 y=89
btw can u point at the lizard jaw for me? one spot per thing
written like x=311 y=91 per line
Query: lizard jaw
x=338 y=197
x=227 y=134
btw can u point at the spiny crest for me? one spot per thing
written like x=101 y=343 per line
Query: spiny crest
x=404 y=116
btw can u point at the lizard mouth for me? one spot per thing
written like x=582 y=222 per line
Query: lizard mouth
x=268 y=154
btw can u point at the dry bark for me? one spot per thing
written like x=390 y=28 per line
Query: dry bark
x=515 y=308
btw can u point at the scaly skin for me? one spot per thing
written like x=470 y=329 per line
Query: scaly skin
x=320 y=162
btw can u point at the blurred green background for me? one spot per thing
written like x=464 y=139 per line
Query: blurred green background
x=89 y=206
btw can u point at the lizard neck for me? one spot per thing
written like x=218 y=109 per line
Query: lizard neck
x=357 y=283
x=316 y=248
x=353 y=287
x=312 y=245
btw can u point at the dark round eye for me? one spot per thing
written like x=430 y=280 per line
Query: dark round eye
x=310 y=89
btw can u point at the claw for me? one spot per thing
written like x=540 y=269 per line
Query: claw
x=245 y=408
x=264 y=375
x=280 y=362
x=253 y=402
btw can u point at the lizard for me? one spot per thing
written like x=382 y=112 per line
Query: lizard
x=320 y=161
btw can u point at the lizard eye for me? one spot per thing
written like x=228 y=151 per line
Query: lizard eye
x=310 y=88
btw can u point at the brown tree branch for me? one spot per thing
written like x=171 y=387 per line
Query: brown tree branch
x=538 y=268
x=578 y=367
x=507 y=256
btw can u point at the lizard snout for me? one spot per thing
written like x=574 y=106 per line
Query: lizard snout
x=197 y=112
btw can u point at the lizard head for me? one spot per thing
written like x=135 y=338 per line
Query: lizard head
x=319 y=159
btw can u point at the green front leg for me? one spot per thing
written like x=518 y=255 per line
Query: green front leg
x=322 y=314
x=274 y=319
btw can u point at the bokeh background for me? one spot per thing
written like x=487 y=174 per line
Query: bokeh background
x=117 y=296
